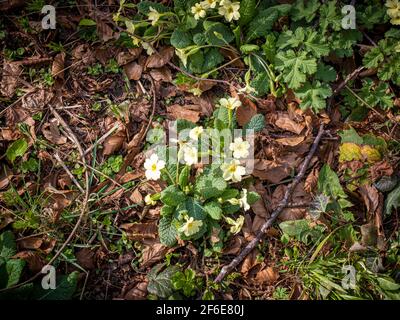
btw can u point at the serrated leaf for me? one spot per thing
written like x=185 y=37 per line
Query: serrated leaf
x=313 y=96
x=256 y=123
x=252 y=197
x=14 y=270
x=65 y=288
x=213 y=209
x=262 y=24
x=392 y=200
x=167 y=231
x=180 y=39
x=209 y=186
x=16 y=149
x=172 y=196
x=261 y=83
x=218 y=34
x=325 y=73
x=305 y=10
x=8 y=247
x=295 y=67
x=351 y=136
x=160 y=283
x=144 y=7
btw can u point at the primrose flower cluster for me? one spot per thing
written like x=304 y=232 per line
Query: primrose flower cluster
x=189 y=155
x=200 y=201
x=393 y=11
x=226 y=8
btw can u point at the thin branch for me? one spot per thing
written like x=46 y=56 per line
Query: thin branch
x=284 y=202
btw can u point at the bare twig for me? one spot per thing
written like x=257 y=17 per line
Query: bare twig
x=260 y=235
x=102 y=138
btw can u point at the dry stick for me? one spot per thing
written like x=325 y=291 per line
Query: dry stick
x=252 y=244
x=84 y=202
x=104 y=137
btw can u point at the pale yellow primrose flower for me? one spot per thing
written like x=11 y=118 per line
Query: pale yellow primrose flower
x=230 y=10
x=149 y=201
x=149 y=50
x=191 y=226
x=236 y=225
x=198 y=11
x=230 y=103
x=207 y=4
x=240 y=148
x=190 y=155
x=153 y=167
x=154 y=16
x=242 y=202
x=233 y=171
x=393 y=11
x=195 y=133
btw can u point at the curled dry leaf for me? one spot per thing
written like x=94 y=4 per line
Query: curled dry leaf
x=205 y=101
x=86 y=258
x=267 y=276
x=160 y=59
x=161 y=74
x=284 y=122
x=11 y=72
x=140 y=231
x=52 y=133
x=138 y=292
x=153 y=253
x=249 y=262
x=234 y=246
x=291 y=141
x=246 y=111
x=114 y=142
x=136 y=197
x=104 y=30
x=57 y=68
x=5 y=177
x=125 y=57
x=311 y=180
x=133 y=71
x=177 y=111
x=33 y=259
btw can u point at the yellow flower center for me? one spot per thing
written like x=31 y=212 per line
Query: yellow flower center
x=154 y=167
x=232 y=168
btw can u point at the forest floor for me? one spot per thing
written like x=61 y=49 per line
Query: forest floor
x=81 y=105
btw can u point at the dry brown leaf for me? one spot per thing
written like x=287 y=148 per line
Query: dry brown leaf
x=35 y=262
x=140 y=231
x=161 y=74
x=205 y=101
x=299 y=195
x=52 y=133
x=114 y=142
x=136 y=197
x=133 y=71
x=267 y=275
x=311 y=180
x=285 y=122
x=104 y=30
x=291 y=141
x=30 y=243
x=380 y=169
x=152 y=254
x=11 y=72
x=5 y=219
x=85 y=258
x=160 y=59
x=57 y=68
x=177 y=111
x=249 y=262
x=139 y=292
x=234 y=246
x=246 y=111
x=5 y=177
